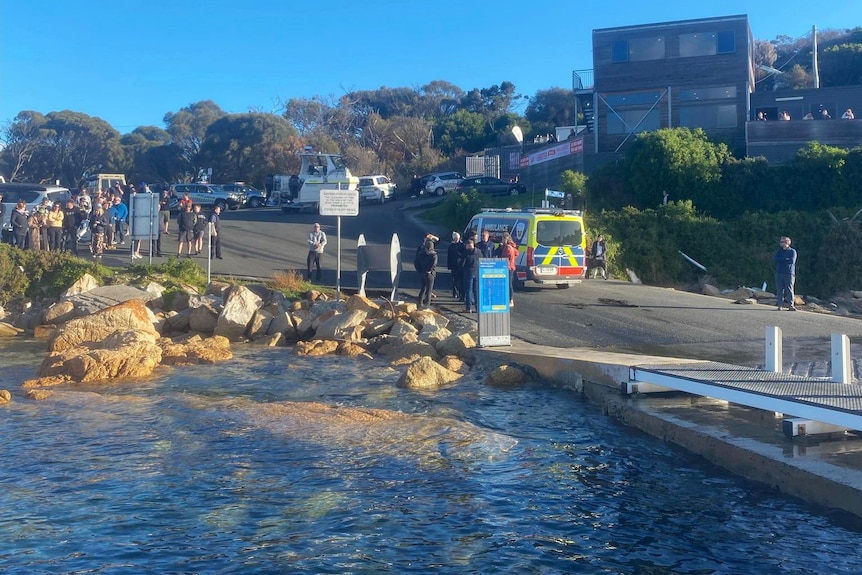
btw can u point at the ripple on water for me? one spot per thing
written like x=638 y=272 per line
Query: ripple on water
x=272 y=463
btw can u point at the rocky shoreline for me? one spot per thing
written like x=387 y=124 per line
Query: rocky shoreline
x=112 y=333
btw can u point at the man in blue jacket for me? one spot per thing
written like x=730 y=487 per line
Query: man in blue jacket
x=785 y=274
x=120 y=215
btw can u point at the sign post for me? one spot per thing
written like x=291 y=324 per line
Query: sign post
x=494 y=297
x=551 y=194
x=339 y=203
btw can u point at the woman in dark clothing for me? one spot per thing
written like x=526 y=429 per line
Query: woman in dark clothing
x=471 y=276
x=20 y=224
x=426 y=265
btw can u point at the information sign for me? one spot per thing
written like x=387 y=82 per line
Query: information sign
x=494 y=300
x=339 y=202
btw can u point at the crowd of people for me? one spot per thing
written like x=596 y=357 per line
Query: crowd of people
x=58 y=226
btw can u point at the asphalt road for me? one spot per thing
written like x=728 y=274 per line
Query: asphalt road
x=612 y=315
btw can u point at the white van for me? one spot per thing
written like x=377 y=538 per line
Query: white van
x=32 y=194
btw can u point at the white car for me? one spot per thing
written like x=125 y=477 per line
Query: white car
x=442 y=183
x=376 y=189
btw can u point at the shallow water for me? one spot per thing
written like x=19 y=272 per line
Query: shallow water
x=276 y=464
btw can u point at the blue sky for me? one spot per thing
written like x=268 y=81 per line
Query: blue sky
x=131 y=61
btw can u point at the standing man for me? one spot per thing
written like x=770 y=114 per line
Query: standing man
x=426 y=265
x=215 y=220
x=199 y=227
x=165 y=210
x=185 y=227
x=316 y=243
x=455 y=263
x=486 y=246
x=72 y=219
x=121 y=213
x=785 y=274
x=599 y=253
x=471 y=276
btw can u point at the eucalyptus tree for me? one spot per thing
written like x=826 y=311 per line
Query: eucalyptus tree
x=249 y=146
x=188 y=128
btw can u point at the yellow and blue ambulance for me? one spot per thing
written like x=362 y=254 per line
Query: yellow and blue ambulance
x=552 y=243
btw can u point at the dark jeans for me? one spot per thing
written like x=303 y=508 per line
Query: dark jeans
x=70 y=241
x=427 y=280
x=55 y=239
x=215 y=247
x=313 y=261
x=121 y=231
x=470 y=290
x=458 y=284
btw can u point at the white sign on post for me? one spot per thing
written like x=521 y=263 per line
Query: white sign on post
x=339 y=202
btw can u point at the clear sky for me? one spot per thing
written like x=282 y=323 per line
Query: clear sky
x=131 y=61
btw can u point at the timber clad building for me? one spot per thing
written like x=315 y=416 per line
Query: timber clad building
x=699 y=74
x=694 y=73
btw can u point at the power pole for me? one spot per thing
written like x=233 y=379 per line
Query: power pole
x=814 y=65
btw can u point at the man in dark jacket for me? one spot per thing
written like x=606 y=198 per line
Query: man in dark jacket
x=454 y=261
x=215 y=220
x=72 y=218
x=426 y=265
x=485 y=247
x=186 y=229
x=20 y=226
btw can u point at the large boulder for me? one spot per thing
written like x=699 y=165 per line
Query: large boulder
x=60 y=312
x=456 y=344
x=358 y=302
x=506 y=376
x=122 y=354
x=84 y=284
x=347 y=326
x=258 y=327
x=316 y=347
x=195 y=350
x=239 y=307
x=282 y=324
x=203 y=318
x=177 y=322
x=428 y=317
x=132 y=315
x=425 y=373
x=402 y=328
x=9 y=330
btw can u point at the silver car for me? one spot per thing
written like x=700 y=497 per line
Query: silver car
x=442 y=183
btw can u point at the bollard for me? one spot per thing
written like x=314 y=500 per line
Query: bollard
x=841 y=368
x=774 y=361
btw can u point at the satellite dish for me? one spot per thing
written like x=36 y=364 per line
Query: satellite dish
x=519 y=135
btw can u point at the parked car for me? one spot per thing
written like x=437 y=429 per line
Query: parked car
x=254 y=198
x=491 y=186
x=376 y=189
x=442 y=183
x=208 y=196
x=32 y=195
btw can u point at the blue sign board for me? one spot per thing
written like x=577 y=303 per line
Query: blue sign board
x=493 y=286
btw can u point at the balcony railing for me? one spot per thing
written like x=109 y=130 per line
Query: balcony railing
x=582 y=80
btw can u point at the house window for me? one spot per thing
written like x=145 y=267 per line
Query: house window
x=708 y=117
x=707 y=43
x=726 y=42
x=620 y=51
x=633 y=99
x=698 y=94
x=626 y=121
x=641 y=49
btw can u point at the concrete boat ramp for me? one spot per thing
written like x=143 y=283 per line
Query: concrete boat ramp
x=792 y=432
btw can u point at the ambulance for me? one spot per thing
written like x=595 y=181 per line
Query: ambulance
x=552 y=243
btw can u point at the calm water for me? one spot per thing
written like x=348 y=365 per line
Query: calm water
x=245 y=467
